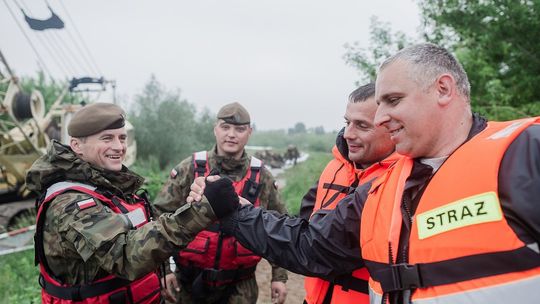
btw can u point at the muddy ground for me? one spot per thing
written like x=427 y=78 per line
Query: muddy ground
x=295 y=285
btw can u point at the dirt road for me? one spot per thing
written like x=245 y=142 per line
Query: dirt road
x=295 y=285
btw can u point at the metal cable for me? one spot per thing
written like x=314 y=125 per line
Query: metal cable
x=40 y=60
x=69 y=52
x=61 y=64
x=69 y=57
x=80 y=37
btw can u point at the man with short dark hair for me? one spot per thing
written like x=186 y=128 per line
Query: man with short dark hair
x=362 y=152
x=215 y=268
x=95 y=239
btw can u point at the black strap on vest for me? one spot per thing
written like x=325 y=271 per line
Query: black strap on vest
x=81 y=292
x=251 y=187
x=200 y=168
x=349 y=282
x=340 y=189
x=406 y=276
x=346 y=282
x=199 y=165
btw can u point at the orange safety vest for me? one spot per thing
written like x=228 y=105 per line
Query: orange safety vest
x=461 y=248
x=338 y=178
x=110 y=289
x=223 y=258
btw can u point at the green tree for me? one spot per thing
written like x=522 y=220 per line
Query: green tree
x=497 y=43
x=382 y=44
x=298 y=128
x=166 y=126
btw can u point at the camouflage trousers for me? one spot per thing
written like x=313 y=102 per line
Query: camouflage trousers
x=243 y=292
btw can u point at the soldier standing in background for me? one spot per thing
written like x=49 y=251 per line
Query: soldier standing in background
x=94 y=239
x=215 y=268
x=292 y=153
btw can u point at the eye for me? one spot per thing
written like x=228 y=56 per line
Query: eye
x=394 y=100
x=240 y=129
x=363 y=126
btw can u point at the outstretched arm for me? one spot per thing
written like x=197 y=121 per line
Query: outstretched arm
x=326 y=246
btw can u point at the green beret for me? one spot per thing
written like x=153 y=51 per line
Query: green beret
x=96 y=117
x=234 y=113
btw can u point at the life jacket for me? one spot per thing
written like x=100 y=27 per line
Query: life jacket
x=110 y=289
x=461 y=247
x=339 y=178
x=221 y=257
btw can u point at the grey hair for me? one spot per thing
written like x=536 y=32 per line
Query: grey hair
x=362 y=93
x=428 y=61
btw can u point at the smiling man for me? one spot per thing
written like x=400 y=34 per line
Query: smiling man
x=454 y=220
x=362 y=152
x=95 y=241
x=215 y=268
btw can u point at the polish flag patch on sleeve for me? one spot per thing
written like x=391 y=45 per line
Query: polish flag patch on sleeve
x=86 y=203
x=174 y=173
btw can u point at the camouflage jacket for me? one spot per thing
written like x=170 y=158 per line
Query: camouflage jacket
x=84 y=245
x=182 y=176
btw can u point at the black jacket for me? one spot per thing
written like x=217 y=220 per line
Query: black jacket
x=329 y=244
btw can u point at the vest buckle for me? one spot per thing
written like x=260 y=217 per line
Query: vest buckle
x=405 y=276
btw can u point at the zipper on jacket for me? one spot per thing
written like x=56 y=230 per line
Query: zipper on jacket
x=408 y=218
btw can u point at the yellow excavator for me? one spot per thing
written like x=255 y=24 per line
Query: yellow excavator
x=26 y=128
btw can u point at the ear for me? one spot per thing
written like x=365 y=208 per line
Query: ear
x=446 y=89
x=75 y=145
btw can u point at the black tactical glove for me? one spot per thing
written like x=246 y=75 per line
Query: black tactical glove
x=222 y=197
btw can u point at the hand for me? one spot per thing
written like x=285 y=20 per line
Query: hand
x=172 y=287
x=279 y=292
x=197 y=188
x=222 y=196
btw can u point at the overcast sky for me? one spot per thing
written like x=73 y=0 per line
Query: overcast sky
x=283 y=60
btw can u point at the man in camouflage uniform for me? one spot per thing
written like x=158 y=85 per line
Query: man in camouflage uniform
x=81 y=239
x=228 y=157
x=292 y=154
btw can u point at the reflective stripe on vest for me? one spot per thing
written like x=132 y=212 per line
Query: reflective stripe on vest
x=342 y=172
x=109 y=289
x=521 y=291
x=453 y=257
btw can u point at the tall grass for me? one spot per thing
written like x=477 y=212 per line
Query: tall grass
x=279 y=140
x=301 y=177
x=19 y=278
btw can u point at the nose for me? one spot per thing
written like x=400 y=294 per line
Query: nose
x=349 y=134
x=118 y=144
x=231 y=133
x=381 y=116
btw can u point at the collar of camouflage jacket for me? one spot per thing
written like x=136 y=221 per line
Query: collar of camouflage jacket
x=60 y=163
x=228 y=165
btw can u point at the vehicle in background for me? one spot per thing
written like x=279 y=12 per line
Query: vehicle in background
x=26 y=128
